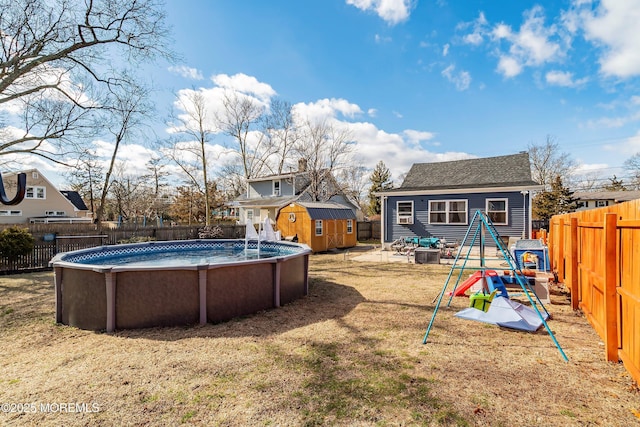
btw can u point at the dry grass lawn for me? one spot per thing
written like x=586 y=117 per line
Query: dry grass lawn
x=350 y=353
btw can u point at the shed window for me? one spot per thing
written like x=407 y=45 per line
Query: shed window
x=318 y=227
x=497 y=211
x=448 y=212
x=349 y=226
x=405 y=212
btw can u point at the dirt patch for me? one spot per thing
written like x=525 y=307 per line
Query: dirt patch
x=350 y=353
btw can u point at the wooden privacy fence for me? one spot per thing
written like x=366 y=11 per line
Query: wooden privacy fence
x=596 y=253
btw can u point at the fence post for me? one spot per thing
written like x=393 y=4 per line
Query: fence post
x=575 y=298
x=560 y=247
x=550 y=243
x=610 y=291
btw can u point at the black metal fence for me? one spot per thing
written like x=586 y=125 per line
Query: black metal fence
x=51 y=239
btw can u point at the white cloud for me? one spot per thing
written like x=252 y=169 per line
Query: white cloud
x=462 y=79
x=372 y=112
x=502 y=31
x=509 y=66
x=530 y=46
x=563 y=78
x=628 y=146
x=416 y=137
x=382 y=39
x=445 y=50
x=614 y=26
x=240 y=85
x=533 y=44
x=397 y=152
x=187 y=72
x=245 y=84
x=476 y=37
x=324 y=109
x=391 y=11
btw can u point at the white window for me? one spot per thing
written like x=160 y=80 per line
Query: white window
x=276 y=188
x=349 y=226
x=35 y=193
x=10 y=213
x=318 y=227
x=54 y=213
x=447 y=212
x=35 y=175
x=497 y=211
x=249 y=216
x=601 y=203
x=405 y=212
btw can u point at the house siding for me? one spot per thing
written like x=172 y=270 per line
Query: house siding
x=265 y=188
x=33 y=207
x=517 y=217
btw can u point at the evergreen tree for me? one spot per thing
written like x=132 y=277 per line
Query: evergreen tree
x=380 y=181
x=614 y=184
x=559 y=200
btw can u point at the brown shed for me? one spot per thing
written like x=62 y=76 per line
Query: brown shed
x=321 y=226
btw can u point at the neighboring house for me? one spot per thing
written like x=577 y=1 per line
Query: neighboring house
x=265 y=196
x=599 y=199
x=42 y=202
x=440 y=199
x=321 y=226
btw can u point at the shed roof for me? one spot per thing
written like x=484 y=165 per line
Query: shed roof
x=502 y=171
x=318 y=210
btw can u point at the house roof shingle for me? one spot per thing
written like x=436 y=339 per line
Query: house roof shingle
x=502 y=171
x=74 y=197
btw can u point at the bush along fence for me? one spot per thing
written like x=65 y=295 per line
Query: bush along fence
x=51 y=239
x=596 y=253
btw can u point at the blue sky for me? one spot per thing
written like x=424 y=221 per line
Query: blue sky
x=422 y=81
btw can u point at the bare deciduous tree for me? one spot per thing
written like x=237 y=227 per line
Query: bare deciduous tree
x=196 y=125
x=632 y=164
x=547 y=163
x=128 y=108
x=325 y=149
x=280 y=128
x=55 y=62
x=240 y=118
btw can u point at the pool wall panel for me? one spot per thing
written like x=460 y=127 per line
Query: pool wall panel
x=292 y=280
x=238 y=291
x=156 y=298
x=84 y=299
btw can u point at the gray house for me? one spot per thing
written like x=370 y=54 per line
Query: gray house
x=266 y=195
x=440 y=199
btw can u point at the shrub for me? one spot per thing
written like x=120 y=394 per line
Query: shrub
x=15 y=241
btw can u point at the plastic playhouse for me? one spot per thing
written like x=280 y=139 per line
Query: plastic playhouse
x=531 y=254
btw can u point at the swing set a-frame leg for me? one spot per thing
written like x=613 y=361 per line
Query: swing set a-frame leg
x=485 y=221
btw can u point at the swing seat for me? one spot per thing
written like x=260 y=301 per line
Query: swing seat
x=481 y=300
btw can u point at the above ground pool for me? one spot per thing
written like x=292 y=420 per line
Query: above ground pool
x=176 y=283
